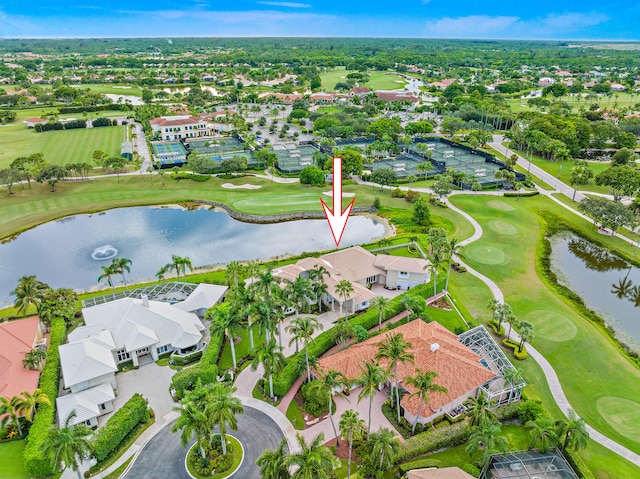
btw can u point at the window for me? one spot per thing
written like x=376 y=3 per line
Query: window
x=163 y=349
x=103 y=406
x=371 y=279
x=123 y=355
x=403 y=274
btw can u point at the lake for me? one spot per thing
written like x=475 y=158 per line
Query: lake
x=61 y=253
x=607 y=284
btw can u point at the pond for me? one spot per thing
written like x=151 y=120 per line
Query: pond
x=70 y=252
x=608 y=285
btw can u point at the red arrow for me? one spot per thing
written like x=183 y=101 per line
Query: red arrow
x=337 y=218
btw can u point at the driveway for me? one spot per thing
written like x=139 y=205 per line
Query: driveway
x=163 y=456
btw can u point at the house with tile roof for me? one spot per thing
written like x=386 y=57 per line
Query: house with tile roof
x=363 y=269
x=177 y=127
x=460 y=369
x=16 y=339
x=438 y=473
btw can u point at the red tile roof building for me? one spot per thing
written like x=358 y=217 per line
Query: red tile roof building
x=435 y=349
x=16 y=338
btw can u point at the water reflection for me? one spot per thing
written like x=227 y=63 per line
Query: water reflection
x=594 y=257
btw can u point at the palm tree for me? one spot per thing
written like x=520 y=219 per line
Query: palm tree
x=10 y=412
x=108 y=272
x=33 y=359
x=222 y=409
x=318 y=285
x=273 y=462
x=332 y=382
x=272 y=360
x=382 y=304
x=574 y=432
x=233 y=273
x=487 y=436
x=244 y=301
x=225 y=322
x=303 y=329
x=526 y=334
x=344 y=288
x=68 y=446
x=314 y=460
x=422 y=381
x=394 y=348
x=351 y=427
x=342 y=331
x=451 y=249
x=192 y=422
x=29 y=291
x=296 y=293
x=262 y=313
x=543 y=433
x=179 y=264
x=437 y=261
x=121 y=265
x=480 y=408
x=371 y=376
x=161 y=272
x=28 y=402
x=384 y=445
x=511 y=320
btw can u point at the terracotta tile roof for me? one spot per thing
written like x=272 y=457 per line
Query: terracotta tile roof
x=35 y=119
x=175 y=121
x=16 y=338
x=458 y=367
x=400 y=263
x=390 y=96
x=438 y=473
x=354 y=264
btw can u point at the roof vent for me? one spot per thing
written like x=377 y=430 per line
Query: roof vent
x=434 y=347
x=145 y=300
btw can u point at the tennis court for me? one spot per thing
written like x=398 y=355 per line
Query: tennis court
x=293 y=158
x=169 y=153
x=216 y=146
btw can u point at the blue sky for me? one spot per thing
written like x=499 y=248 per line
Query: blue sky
x=566 y=19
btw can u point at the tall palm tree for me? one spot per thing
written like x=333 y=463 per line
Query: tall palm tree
x=122 y=266
x=371 y=376
x=303 y=330
x=272 y=360
x=222 y=410
x=10 y=412
x=225 y=322
x=383 y=447
x=342 y=332
x=344 y=288
x=437 y=261
x=394 y=349
x=34 y=358
x=542 y=433
x=351 y=427
x=296 y=292
x=243 y=300
x=511 y=320
x=28 y=402
x=273 y=462
x=192 y=422
x=574 y=431
x=423 y=382
x=487 y=437
x=318 y=285
x=314 y=460
x=29 y=291
x=526 y=334
x=179 y=264
x=233 y=273
x=332 y=382
x=162 y=272
x=262 y=313
x=452 y=249
x=108 y=272
x=480 y=407
x=382 y=304
x=68 y=446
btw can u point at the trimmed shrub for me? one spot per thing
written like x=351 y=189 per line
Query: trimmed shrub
x=102 y=121
x=578 y=465
x=119 y=425
x=312 y=175
x=316 y=402
x=494 y=326
x=471 y=469
x=206 y=370
x=511 y=194
x=530 y=411
x=435 y=438
x=35 y=463
x=419 y=464
x=510 y=343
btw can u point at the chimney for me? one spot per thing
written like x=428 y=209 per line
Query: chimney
x=145 y=300
x=434 y=347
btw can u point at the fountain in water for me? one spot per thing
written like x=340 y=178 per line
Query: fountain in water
x=104 y=252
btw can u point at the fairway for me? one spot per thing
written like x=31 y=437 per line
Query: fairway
x=59 y=147
x=622 y=414
x=503 y=227
x=377 y=80
x=551 y=325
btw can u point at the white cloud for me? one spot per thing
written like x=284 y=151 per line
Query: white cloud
x=286 y=4
x=485 y=26
x=12 y=26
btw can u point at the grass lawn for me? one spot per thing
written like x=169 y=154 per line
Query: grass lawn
x=622 y=100
x=11 y=460
x=242 y=349
x=563 y=169
x=377 y=80
x=59 y=147
x=331 y=77
x=597 y=383
x=295 y=416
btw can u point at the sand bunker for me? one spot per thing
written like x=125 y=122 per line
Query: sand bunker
x=245 y=186
x=344 y=194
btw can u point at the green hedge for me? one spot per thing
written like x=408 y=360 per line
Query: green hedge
x=434 y=438
x=512 y=194
x=578 y=465
x=283 y=381
x=206 y=370
x=419 y=464
x=35 y=463
x=121 y=423
x=510 y=343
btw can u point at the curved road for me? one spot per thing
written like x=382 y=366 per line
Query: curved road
x=163 y=456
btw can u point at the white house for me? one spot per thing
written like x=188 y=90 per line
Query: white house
x=88 y=405
x=202 y=298
x=179 y=126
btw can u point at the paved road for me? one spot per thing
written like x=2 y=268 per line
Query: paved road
x=256 y=431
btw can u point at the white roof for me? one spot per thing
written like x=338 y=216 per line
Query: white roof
x=87 y=359
x=134 y=325
x=203 y=297
x=86 y=403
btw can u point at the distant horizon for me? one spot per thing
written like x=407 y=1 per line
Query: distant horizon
x=567 y=20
